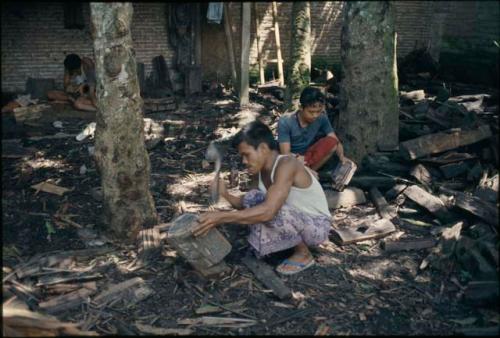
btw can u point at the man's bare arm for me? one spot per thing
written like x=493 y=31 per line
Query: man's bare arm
x=235 y=201
x=275 y=198
x=285 y=148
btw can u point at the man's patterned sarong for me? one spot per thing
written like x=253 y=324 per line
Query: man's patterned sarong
x=288 y=228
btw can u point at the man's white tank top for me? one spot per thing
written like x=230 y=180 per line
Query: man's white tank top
x=311 y=200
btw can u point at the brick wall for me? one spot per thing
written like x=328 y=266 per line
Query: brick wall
x=326 y=23
x=34 y=40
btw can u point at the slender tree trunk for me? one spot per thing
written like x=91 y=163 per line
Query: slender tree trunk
x=245 y=52
x=121 y=155
x=369 y=107
x=299 y=69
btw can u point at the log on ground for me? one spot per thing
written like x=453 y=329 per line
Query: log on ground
x=439 y=142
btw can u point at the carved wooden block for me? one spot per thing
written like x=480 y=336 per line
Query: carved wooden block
x=201 y=252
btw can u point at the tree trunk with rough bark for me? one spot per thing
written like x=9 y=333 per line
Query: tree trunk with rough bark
x=369 y=106
x=299 y=67
x=121 y=154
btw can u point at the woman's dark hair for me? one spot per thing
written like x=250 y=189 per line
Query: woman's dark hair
x=72 y=62
x=255 y=133
x=311 y=95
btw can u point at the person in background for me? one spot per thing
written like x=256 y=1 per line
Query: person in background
x=308 y=134
x=79 y=83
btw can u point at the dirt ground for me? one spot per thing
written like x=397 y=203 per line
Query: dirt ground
x=355 y=289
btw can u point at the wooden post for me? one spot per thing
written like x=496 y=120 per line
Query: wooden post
x=197 y=32
x=259 y=56
x=278 y=44
x=245 y=52
x=230 y=49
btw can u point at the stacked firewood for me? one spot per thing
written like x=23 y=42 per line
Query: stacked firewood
x=440 y=189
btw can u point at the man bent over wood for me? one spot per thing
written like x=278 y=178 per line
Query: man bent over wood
x=288 y=210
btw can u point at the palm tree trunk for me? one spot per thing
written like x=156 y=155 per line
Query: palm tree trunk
x=299 y=68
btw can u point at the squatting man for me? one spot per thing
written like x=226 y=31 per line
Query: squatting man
x=288 y=210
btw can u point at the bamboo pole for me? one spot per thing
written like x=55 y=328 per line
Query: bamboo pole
x=259 y=55
x=278 y=44
x=245 y=52
x=230 y=48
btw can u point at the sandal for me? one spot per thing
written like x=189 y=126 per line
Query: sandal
x=301 y=266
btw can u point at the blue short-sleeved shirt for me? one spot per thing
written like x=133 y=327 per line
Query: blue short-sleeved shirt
x=290 y=131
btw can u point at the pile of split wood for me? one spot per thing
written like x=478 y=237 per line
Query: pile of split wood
x=440 y=190
x=56 y=283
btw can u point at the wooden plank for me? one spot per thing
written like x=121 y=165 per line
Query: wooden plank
x=476 y=206
x=65 y=288
x=67 y=301
x=365 y=231
x=415 y=95
x=29 y=113
x=454 y=169
x=342 y=199
x=449 y=157
x=395 y=191
x=160 y=331
x=383 y=208
x=34 y=264
x=439 y=142
x=482 y=292
x=115 y=290
x=421 y=174
x=245 y=53
x=278 y=44
x=414 y=244
x=342 y=174
x=218 y=322
x=214 y=270
x=229 y=41
x=14 y=149
x=25 y=323
x=74 y=277
x=374 y=163
x=267 y=276
x=51 y=137
x=50 y=188
x=430 y=202
x=493 y=331
x=408 y=226
x=366 y=181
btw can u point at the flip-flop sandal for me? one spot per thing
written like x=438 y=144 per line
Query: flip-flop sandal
x=301 y=266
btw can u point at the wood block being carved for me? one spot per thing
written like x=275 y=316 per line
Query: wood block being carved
x=201 y=252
